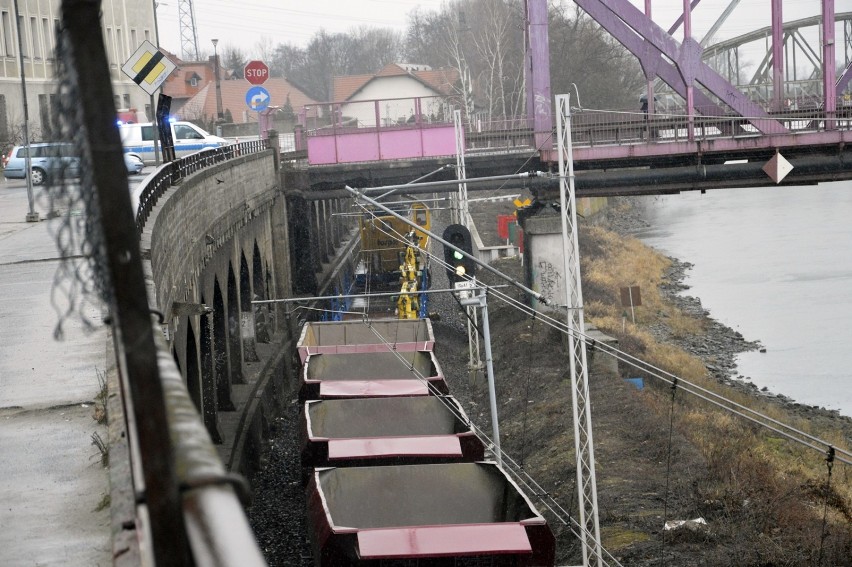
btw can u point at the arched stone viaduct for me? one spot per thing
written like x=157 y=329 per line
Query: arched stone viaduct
x=224 y=236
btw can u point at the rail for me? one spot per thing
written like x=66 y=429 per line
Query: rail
x=171 y=173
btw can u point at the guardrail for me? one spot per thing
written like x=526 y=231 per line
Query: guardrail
x=170 y=173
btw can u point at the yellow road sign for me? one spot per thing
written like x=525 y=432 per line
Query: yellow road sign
x=148 y=67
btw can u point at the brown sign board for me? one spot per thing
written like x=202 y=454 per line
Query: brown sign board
x=630 y=296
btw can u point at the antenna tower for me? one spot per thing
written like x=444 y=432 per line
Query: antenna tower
x=188 y=33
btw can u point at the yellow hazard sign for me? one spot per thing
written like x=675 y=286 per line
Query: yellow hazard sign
x=525 y=203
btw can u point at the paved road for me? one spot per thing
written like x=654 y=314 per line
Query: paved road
x=53 y=487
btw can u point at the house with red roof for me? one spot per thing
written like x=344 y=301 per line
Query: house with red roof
x=202 y=106
x=395 y=94
x=192 y=87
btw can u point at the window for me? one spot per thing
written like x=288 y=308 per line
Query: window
x=37 y=53
x=48 y=38
x=126 y=101
x=184 y=132
x=119 y=40
x=8 y=43
x=193 y=82
x=147 y=35
x=110 y=48
x=147 y=133
x=133 y=44
x=21 y=26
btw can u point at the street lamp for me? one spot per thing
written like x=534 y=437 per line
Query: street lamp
x=220 y=117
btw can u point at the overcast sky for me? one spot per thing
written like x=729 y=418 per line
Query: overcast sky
x=242 y=23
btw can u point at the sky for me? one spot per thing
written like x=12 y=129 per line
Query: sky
x=244 y=23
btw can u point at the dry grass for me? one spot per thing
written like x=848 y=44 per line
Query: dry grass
x=771 y=492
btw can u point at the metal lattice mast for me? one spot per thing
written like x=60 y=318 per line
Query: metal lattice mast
x=474 y=358
x=188 y=33
x=583 y=445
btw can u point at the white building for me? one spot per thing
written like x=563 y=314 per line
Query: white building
x=395 y=86
x=126 y=24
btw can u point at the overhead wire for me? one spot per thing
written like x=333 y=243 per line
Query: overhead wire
x=518 y=473
x=718 y=400
x=517 y=470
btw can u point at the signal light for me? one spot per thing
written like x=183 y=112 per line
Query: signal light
x=459 y=266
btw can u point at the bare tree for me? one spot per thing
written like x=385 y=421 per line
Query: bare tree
x=581 y=52
x=499 y=47
x=264 y=49
x=364 y=50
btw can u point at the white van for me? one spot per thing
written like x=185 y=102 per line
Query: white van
x=138 y=139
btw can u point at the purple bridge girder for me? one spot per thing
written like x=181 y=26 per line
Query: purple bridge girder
x=649 y=42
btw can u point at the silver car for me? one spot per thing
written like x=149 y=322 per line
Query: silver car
x=50 y=159
x=47 y=159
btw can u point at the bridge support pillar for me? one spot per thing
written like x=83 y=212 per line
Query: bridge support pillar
x=319 y=236
x=336 y=223
x=279 y=281
x=304 y=262
x=328 y=228
x=543 y=248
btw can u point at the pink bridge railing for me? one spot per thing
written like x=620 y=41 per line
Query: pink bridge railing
x=420 y=127
x=400 y=128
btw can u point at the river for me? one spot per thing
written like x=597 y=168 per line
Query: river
x=774 y=263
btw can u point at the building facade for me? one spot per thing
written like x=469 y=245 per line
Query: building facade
x=125 y=25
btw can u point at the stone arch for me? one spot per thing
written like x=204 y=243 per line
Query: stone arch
x=191 y=375
x=208 y=378
x=262 y=321
x=235 y=356
x=246 y=313
x=220 y=351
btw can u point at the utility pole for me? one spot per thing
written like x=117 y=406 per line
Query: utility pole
x=220 y=116
x=32 y=216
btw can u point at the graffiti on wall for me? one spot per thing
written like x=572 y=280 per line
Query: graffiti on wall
x=548 y=278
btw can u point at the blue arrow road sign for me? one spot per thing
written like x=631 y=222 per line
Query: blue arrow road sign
x=257 y=98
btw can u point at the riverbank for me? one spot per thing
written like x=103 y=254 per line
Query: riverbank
x=719 y=344
x=661 y=456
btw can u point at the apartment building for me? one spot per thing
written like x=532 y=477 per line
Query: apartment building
x=125 y=25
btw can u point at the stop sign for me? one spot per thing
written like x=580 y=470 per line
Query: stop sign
x=256 y=72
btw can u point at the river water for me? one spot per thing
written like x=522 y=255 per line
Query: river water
x=774 y=263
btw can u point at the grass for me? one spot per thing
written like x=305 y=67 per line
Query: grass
x=100 y=412
x=103 y=448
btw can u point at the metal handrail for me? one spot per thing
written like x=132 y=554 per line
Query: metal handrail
x=171 y=173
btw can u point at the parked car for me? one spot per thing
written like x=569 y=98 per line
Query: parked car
x=47 y=159
x=52 y=159
x=134 y=165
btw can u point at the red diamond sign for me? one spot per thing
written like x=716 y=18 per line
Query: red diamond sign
x=256 y=72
